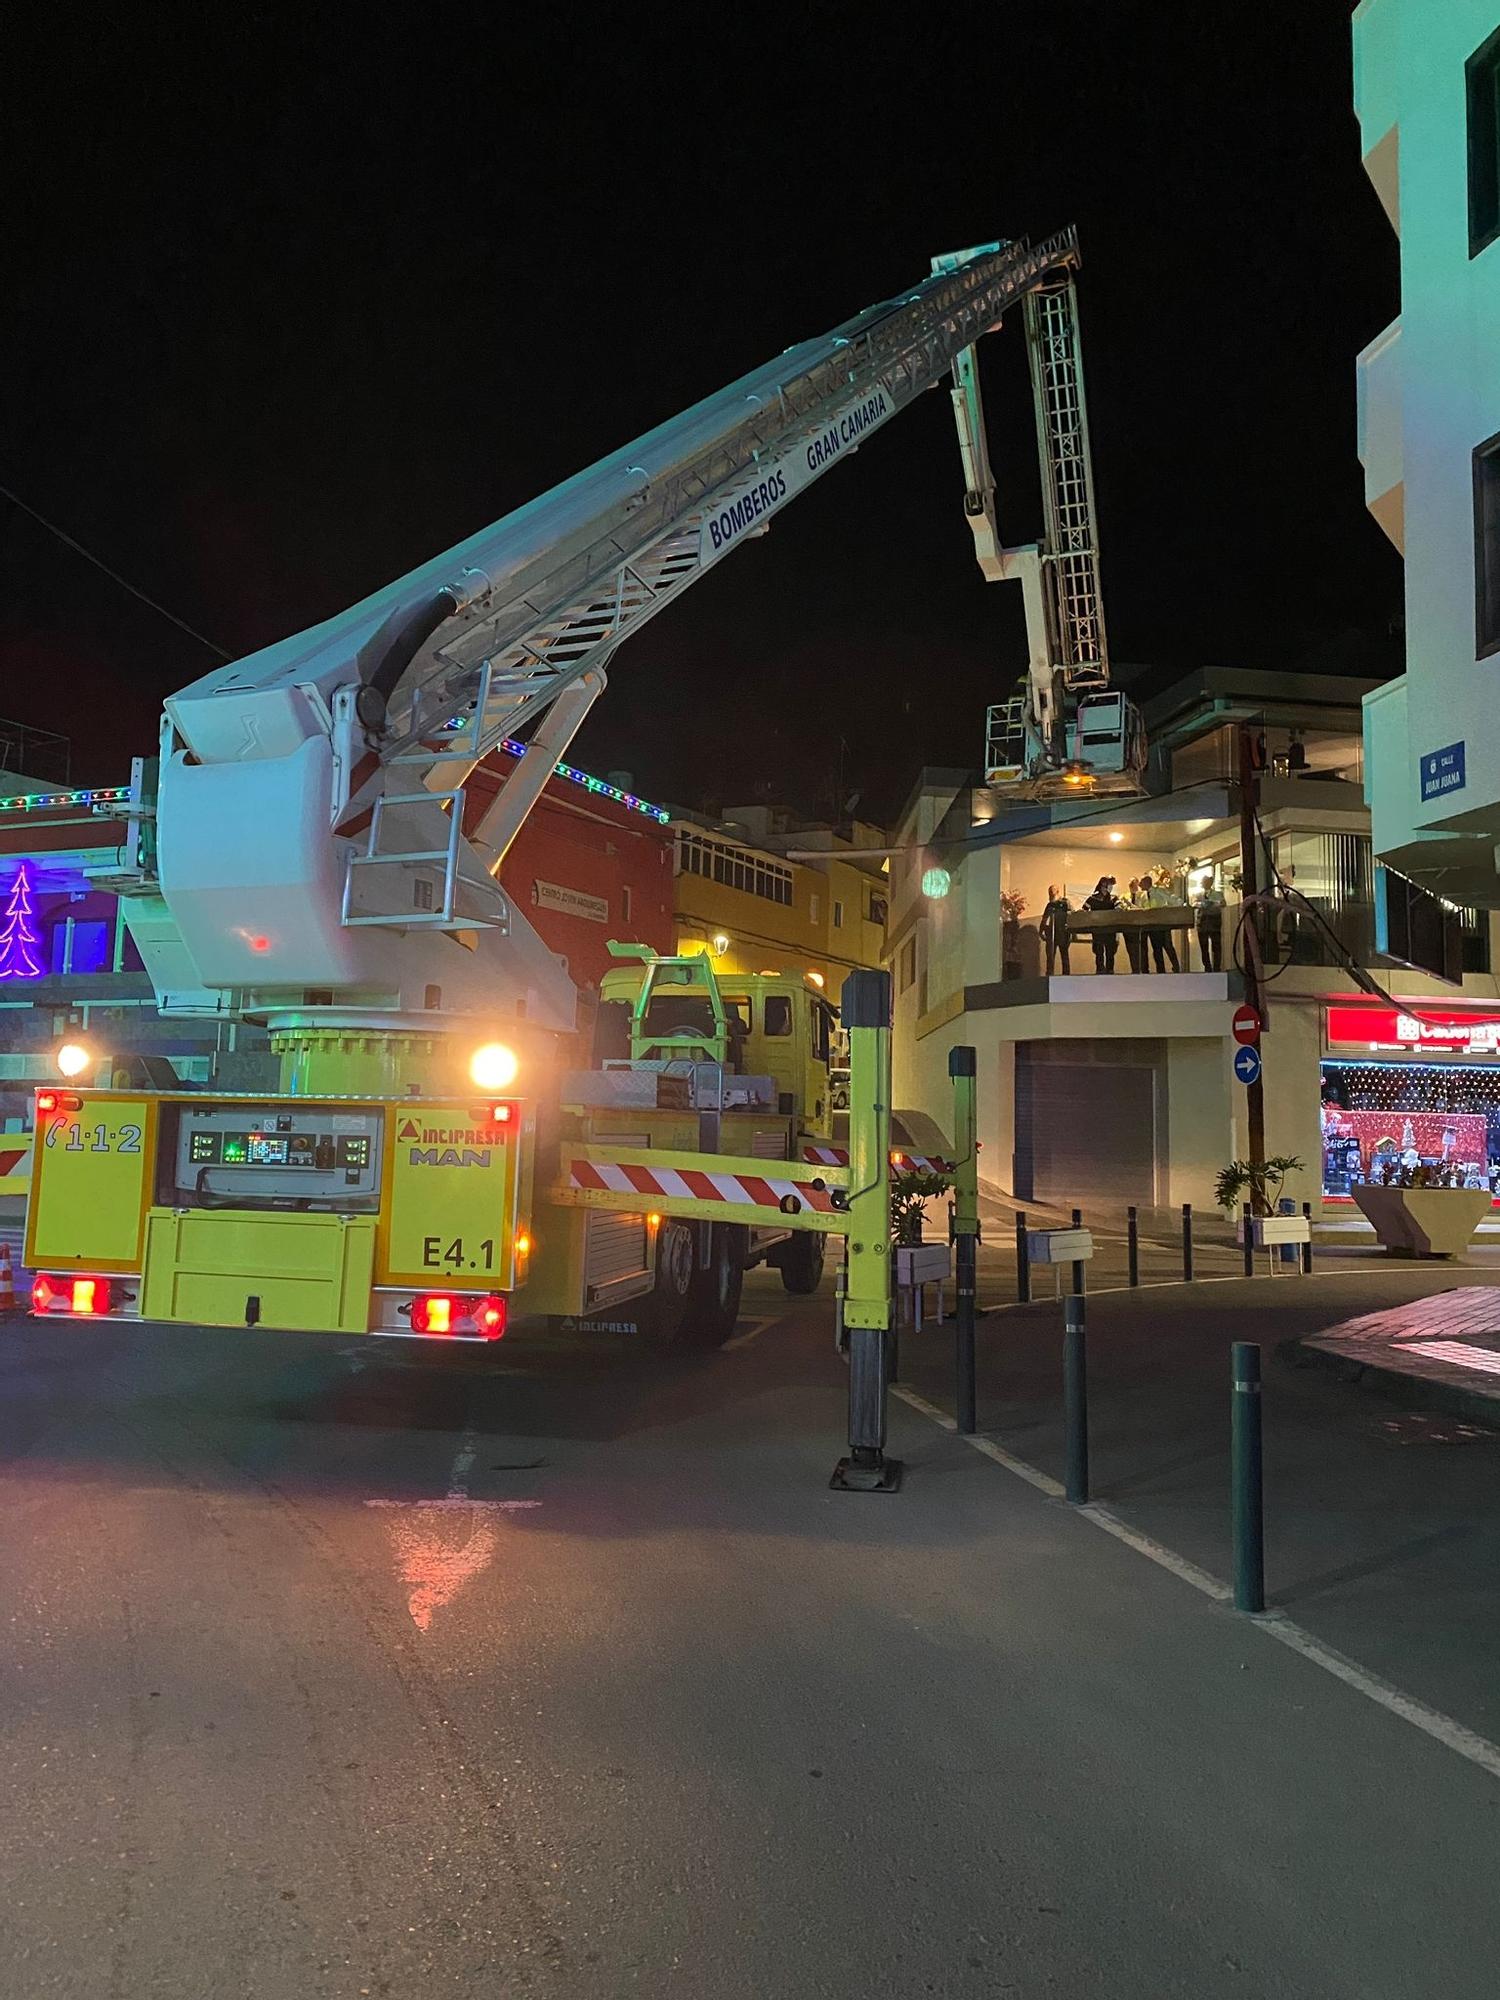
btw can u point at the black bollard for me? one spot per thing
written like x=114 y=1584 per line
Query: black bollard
x=966 y=1257
x=1247 y=1221
x=1133 y=1244
x=1187 y=1241
x=1075 y=1402
x=1023 y=1260
x=1078 y=1265
x=1245 y=1480
x=1307 y=1246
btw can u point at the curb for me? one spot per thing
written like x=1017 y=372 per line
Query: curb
x=1419 y=1392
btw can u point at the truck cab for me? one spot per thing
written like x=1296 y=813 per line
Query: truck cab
x=779 y=1026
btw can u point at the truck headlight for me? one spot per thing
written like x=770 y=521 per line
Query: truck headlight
x=494 y=1066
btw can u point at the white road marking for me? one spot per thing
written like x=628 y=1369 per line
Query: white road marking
x=1157 y=1552
x=1042 y=1481
x=463 y=1465
x=1444 y=1729
x=753 y=1330
x=430 y=1562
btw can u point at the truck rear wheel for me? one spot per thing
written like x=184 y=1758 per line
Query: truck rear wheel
x=674 y=1279
x=800 y=1261
x=713 y=1307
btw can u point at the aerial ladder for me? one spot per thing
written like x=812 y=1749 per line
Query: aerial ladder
x=304 y=854
x=1066 y=731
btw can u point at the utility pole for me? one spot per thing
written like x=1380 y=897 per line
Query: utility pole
x=1255 y=1094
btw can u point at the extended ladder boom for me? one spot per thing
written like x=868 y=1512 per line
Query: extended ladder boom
x=386 y=709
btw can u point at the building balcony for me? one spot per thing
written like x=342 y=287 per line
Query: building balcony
x=1122 y=987
x=1380 y=445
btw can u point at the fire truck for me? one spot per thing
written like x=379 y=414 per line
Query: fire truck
x=447 y=1147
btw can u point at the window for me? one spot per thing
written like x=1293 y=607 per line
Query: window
x=778 y=1013
x=907 y=964
x=812 y=907
x=838 y=915
x=820 y=1018
x=625 y=902
x=1487 y=548
x=877 y=909
x=1482 y=82
x=734 y=867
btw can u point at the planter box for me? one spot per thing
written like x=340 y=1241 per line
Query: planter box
x=1422 y=1222
x=1269 y=1230
x=1059 y=1246
x=923 y=1264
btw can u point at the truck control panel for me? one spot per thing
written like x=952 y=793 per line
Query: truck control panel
x=273 y=1156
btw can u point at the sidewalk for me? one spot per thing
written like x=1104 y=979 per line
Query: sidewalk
x=1383 y=1529
x=1346 y=1240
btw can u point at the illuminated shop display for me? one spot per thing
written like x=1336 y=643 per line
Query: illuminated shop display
x=1382 y=1117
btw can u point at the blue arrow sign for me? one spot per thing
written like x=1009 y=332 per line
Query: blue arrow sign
x=1247 y=1065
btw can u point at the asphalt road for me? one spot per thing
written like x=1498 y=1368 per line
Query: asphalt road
x=331 y=1671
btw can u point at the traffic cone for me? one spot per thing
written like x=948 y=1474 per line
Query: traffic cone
x=7 y=1284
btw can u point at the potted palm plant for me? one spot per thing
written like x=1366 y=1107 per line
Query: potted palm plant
x=1255 y=1182
x=916 y=1262
x=1012 y=909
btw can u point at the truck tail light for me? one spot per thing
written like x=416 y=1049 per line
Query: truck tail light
x=432 y=1313
x=489 y=1318
x=84 y=1298
x=440 y=1313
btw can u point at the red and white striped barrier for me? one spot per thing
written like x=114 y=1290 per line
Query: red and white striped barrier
x=15 y=1163
x=692 y=1184
x=837 y=1156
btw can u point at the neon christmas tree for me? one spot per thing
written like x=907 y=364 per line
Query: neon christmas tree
x=19 y=936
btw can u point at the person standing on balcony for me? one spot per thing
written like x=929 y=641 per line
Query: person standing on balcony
x=1163 y=944
x=1135 y=940
x=1106 y=943
x=1211 y=926
x=1054 y=928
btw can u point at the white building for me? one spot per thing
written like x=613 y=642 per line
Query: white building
x=1114 y=1083
x=1427 y=94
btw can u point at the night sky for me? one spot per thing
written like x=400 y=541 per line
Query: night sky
x=292 y=306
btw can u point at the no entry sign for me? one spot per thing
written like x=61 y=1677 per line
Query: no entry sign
x=1245 y=1027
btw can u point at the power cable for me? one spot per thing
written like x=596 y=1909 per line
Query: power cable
x=1363 y=978
x=114 y=575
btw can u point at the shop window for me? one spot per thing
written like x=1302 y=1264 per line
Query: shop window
x=1430 y=1121
x=1487 y=547
x=778 y=1013
x=1482 y=81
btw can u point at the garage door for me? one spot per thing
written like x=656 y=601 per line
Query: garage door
x=1086 y=1123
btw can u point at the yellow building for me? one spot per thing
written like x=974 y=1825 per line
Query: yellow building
x=765 y=895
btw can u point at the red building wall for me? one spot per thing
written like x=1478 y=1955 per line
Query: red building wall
x=584 y=869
